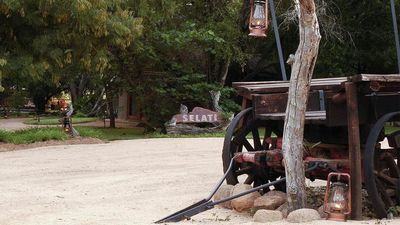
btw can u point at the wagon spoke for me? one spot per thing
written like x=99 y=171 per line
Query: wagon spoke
x=248 y=146
x=267 y=134
x=256 y=138
x=241 y=133
x=391 y=192
x=245 y=170
x=238 y=139
x=249 y=179
x=387 y=179
x=393 y=169
x=385 y=197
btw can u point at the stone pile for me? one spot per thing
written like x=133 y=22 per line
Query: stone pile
x=269 y=207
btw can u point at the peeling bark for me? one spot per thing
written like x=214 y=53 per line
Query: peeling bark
x=302 y=70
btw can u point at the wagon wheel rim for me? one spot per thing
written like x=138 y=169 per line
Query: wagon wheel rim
x=381 y=172
x=243 y=135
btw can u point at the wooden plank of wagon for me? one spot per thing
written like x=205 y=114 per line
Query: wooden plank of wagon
x=376 y=77
x=283 y=86
x=310 y=115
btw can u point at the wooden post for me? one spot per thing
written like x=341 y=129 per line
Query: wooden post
x=302 y=70
x=354 y=150
x=246 y=103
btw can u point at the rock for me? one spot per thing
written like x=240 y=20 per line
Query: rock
x=188 y=129
x=321 y=212
x=183 y=109
x=303 y=215
x=264 y=216
x=284 y=209
x=245 y=202
x=224 y=192
x=276 y=194
x=271 y=200
x=315 y=197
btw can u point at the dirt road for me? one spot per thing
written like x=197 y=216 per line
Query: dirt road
x=123 y=182
x=13 y=124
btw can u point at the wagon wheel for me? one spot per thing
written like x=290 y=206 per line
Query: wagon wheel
x=243 y=135
x=381 y=170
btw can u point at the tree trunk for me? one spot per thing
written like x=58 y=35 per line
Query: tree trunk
x=74 y=92
x=77 y=90
x=97 y=105
x=301 y=75
x=112 y=115
x=110 y=103
x=224 y=72
x=40 y=104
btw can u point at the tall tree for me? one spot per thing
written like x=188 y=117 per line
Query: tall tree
x=301 y=75
x=69 y=40
x=185 y=52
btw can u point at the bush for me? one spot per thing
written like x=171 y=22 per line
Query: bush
x=162 y=95
x=227 y=102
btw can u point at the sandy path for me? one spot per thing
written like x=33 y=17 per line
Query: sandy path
x=14 y=124
x=123 y=182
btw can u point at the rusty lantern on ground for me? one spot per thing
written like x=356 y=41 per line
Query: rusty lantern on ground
x=337 y=201
x=258 y=22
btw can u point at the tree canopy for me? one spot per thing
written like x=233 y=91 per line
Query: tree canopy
x=175 y=50
x=56 y=41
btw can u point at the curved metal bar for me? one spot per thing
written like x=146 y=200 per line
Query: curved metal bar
x=216 y=187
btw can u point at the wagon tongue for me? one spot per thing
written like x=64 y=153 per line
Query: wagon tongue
x=207 y=203
x=200 y=206
x=189 y=211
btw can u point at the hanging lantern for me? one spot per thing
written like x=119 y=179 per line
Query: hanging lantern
x=337 y=201
x=258 y=22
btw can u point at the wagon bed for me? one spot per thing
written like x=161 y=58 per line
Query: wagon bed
x=269 y=98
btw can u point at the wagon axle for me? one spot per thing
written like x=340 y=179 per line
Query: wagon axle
x=273 y=159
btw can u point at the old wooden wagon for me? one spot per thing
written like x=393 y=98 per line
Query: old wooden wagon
x=347 y=130
x=346 y=127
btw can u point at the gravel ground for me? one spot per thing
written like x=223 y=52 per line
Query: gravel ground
x=122 y=182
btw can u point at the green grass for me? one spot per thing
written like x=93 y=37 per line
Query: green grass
x=391 y=129
x=32 y=135
x=111 y=134
x=159 y=135
x=55 y=120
